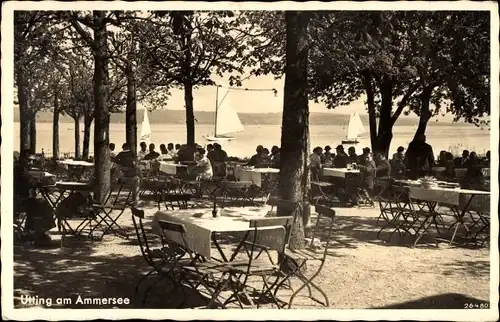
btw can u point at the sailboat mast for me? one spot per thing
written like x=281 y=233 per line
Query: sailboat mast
x=216 y=108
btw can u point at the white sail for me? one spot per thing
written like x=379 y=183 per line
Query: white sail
x=146 y=128
x=361 y=128
x=352 y=128
x=228 y=121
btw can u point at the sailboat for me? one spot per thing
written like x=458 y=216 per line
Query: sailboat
x=354 y=129
x=146 y=128
x=227 y=121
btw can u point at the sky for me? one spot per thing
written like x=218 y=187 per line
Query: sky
x=248 y=101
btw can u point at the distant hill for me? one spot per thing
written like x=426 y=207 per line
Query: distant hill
x=178 y=117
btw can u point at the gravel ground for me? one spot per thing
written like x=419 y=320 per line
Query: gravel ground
x=361 y=271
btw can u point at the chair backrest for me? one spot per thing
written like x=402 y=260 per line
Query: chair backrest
x=289 y=206
x=137 y=217
x=179 y=242
x=330 y=213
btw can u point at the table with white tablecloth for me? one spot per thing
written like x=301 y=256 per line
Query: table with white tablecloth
x=254 y=175
x=170 y=168
x=474 y=204
x=339 y=172
x=476 y=200
x=202 y=227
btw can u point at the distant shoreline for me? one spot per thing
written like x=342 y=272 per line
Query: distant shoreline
x=207 y=118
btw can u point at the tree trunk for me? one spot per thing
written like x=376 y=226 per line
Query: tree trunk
x=370 y=97
x=33 y=134
x=425 y=113
x=295 y=125
x=101 y=127
x=131 y=111
x=55 y=129
x=131 y=120
x=77 y=138
x=384 y=135
x=188 y=100
x=87 y=123
x=24 y=120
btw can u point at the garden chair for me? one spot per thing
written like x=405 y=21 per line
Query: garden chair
x=310 y=253
x=238 y=272
x=158 y=259
x=322 y=191
x=192 y=270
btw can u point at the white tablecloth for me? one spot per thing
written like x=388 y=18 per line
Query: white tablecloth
x=76 y=163
x=40 y=174
x=170 y=168
x=455 y=197
x=199 y=229
x=337 y=172
x=254 y=175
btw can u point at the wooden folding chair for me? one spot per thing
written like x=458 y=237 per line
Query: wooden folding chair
x=157 y=259
x=310 y=253
x=237 y=275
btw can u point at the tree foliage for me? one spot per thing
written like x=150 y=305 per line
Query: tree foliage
x=188 y=48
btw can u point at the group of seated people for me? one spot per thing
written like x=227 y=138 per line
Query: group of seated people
x=264 y=158
x=207 y=161
x=416 y=162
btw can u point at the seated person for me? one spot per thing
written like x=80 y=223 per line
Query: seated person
x=164 y=153
x=266 y=156
x=257 y=158
x=487 y=159
x=152 y=155
x=125 y=159
x=362 y=157
x=327 y=157
x=450 y=165
x=143 y=151
x=39 y=215
x=203 y=164
x=383 y=167
x=211 y=154
x=461 y=162
x=341 y=159
x=352 y=156
x=172 y=153
x=221 y=155
x=112 y=153
x=315 y=163
x=398 y=162
x=275 y=157
x=474 y=174
x=441 y=161
x=367 y=170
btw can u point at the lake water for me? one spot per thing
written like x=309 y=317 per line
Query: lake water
x=454 y=137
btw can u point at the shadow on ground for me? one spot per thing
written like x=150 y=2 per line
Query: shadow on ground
x=442 y=301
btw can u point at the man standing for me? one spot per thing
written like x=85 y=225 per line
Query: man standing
x=419 y=157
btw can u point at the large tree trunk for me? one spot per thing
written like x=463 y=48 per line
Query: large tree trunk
x=370 y=98
x=87 y=123
x=33 y=134
x=24 y=119
x=188 y=100
x=384 y=135
x=131 y=122
x=77 y=138
x=425 y=113
x=295 y=125
x=101 y=127
x=55 y=129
